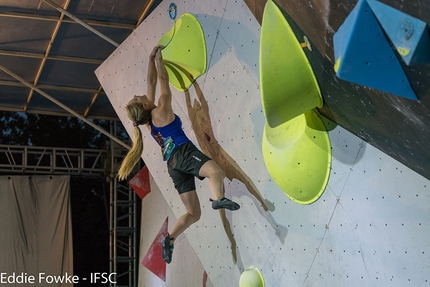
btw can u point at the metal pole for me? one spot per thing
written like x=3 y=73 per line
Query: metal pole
x=57 y=7
x=64 y=107
x=145 y=11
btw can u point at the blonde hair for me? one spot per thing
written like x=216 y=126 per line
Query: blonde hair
x=139 y=116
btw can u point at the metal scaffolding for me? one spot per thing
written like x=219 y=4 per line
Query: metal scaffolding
x=51 y=160
x=90 y=163
x=123 y=225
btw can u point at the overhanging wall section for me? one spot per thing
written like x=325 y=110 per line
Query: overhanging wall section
x=368 y=227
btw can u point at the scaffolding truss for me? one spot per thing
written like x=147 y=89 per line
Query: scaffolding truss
x=123 y=224
x=52 y=160
x=123 y=235
x=90 y=163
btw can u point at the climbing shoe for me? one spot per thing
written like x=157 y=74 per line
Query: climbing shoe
x=224 y=203
x=167 y=249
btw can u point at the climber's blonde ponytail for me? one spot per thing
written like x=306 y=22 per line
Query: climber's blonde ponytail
x=139 y=116
x=133 y=155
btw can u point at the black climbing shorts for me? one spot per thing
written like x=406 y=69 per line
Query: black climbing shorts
x=185 y=164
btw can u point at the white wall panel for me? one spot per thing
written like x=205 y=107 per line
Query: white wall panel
x=186 y=268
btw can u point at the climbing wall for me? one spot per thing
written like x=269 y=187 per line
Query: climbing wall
x=393 y=124
x=370 y=226
x=186 y=267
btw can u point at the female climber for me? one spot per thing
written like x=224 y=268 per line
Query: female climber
x=184 y=160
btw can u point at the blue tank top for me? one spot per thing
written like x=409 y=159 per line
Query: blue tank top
x=169 y=137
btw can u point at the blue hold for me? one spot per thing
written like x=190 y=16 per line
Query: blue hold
x=408 y=35
x=364 y=56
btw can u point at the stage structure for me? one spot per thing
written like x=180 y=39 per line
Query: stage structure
x=89 y=163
